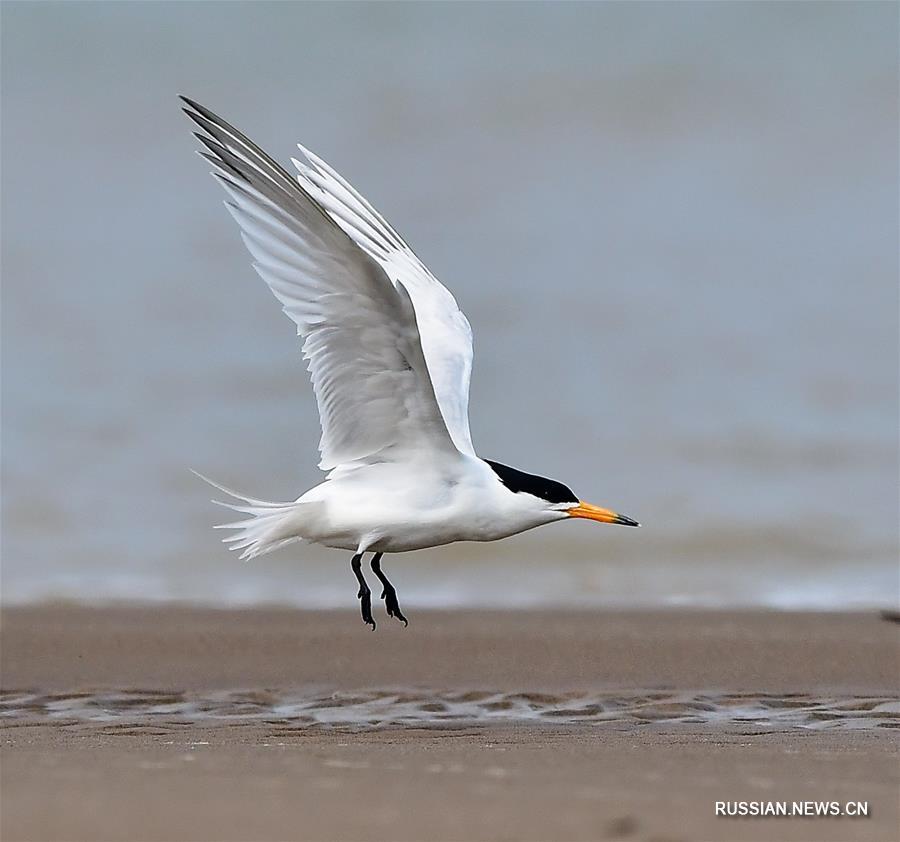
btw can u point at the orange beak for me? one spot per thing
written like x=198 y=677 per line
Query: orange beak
x=591 y=512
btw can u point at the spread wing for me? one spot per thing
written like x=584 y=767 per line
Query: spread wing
x=359 y=330
x=445 y=334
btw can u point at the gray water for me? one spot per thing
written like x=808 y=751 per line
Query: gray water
x=673 y=228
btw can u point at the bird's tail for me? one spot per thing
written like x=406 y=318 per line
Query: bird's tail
x=270 y=525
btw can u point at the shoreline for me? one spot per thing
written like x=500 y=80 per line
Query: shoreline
x=303 y=745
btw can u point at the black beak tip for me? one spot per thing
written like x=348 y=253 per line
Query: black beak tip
x=622 y=520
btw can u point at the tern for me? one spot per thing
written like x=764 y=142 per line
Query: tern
x=390 y=357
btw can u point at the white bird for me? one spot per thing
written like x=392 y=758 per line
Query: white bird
x=390 y=356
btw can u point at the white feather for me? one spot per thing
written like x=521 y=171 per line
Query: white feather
x=444 y=331
x=362 y=334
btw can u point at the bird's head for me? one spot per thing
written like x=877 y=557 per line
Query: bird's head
x=552 y=500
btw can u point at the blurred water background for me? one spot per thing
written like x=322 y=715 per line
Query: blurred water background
x=673 y=227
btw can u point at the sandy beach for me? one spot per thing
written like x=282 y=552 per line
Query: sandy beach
x=171 y=723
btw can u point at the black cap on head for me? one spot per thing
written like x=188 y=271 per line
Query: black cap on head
x=547 y=489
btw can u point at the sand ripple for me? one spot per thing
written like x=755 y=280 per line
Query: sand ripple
x=146 y=708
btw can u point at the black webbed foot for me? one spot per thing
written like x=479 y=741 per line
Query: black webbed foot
x=365 y=605
x=364 y=595
x=389 y=595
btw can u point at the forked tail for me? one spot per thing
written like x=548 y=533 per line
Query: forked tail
x=270 y=525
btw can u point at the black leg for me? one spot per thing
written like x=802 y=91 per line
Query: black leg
x=389 y=595
x=365 y=595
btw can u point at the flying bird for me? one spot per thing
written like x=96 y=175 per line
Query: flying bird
x=390 y=356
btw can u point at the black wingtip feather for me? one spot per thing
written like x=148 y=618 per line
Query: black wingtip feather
x=205 y=123
x=216 y=161
x=189 y=102
x=215 y=127
x=209 y=142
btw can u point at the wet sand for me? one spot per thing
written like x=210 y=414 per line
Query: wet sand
x=180 y=723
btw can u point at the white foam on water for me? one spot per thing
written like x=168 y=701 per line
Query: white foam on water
x=415 y=707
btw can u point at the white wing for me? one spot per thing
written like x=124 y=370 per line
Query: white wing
x=359 y=330
x=444 y=331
